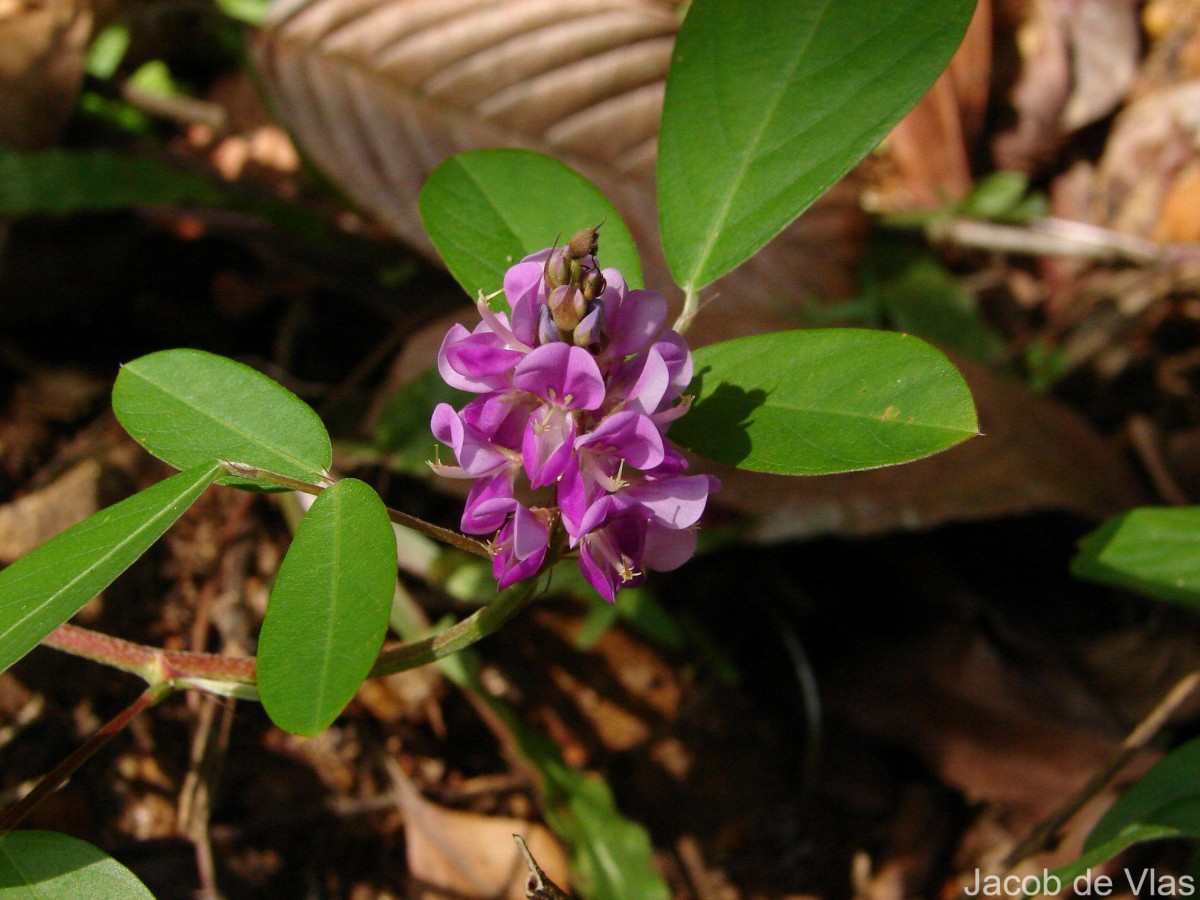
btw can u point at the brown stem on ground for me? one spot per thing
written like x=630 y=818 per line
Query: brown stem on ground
x=1042 y=835
x=58 y=776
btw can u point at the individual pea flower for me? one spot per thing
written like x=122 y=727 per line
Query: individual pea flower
x=578 y=384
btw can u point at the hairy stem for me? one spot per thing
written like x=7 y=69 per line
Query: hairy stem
x=57 y=777
x=236 y=676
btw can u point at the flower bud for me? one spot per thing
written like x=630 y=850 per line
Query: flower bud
x=556 y=270
x=547 y=330
x=591 y=327
x=593 y=285
x=584 y=243
x=567 y=306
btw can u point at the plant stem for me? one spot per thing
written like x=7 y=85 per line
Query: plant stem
x=224 y=675
x=470 y=630
x=57 y=777
x=691 y=306
x=445 y=535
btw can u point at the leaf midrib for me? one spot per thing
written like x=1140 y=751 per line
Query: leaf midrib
x=227 y=426
x=748 y=156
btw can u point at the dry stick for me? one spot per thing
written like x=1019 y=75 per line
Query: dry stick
x=1058 y=237
x=58 y=776
x=1042 y=834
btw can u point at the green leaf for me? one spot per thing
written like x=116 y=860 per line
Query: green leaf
x=769 y=103
x=35 y=865
x=42 y=590
x=486 y=209
x=188 y=406
x=64 y=181
x=1066 y=875
x=1153 y=550
x=328 y=612
x=818 y=401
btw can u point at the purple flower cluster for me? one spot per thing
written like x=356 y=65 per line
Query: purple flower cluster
x=577 y=387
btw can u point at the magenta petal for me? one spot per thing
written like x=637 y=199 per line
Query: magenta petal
x=488 y=503
x=575 y=495
x=626 y=435
x=668 y=549
x=614 y=284
x=678 y=357
x=547 y=445
x=562 y=373
x=482 y=357
x=636 y=322
x=673 y=502
x=602 y=579
x=522 y=284
x=529 y=534
x=652 y=384
x=520 y=548
x=447 y=427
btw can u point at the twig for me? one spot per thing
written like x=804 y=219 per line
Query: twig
x=538 y=887
x=1144 y=437
x=58 y=776
x=1041 y=836
x=1058 y=237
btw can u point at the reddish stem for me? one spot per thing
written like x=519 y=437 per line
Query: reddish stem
x=58 y=776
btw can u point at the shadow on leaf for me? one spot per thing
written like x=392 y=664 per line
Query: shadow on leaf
x=718 y=425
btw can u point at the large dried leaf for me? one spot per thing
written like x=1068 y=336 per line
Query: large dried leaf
x=378 y=92
x=932 y=145
x=454 y=853
x=1033 y=454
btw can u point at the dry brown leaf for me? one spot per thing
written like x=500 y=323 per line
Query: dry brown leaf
x=452 y=853
x=1003 y=719
x=1152 y=143
x=41 y=68
x=39 y=516
x=932 y=144
x=378 y=92
x=1078 y=60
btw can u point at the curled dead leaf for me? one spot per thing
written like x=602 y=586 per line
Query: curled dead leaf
x=453 y=853
x=378 y=92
